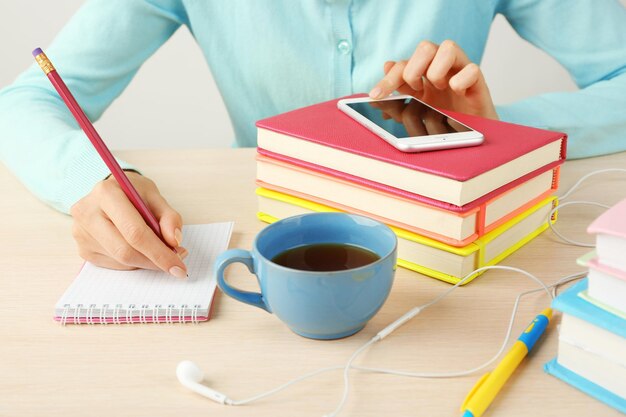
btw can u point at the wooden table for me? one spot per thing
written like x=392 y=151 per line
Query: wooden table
x=128 y=370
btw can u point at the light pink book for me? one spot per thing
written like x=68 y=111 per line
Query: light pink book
x=321 y=137
x=610 y=231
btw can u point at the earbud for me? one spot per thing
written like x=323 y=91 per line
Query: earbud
x=191 y=377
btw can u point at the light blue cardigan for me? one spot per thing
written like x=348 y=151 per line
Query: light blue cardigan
x=283 y=54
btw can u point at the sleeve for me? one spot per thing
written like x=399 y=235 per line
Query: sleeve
x=588 y=37
x=97 y=53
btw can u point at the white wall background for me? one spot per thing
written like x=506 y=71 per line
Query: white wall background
x=513 y=68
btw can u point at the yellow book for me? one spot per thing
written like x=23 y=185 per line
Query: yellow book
x=425 y=255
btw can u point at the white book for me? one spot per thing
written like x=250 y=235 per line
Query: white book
x=593 y=353
x=611 y=250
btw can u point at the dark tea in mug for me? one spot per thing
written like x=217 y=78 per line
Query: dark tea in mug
x=325 y=257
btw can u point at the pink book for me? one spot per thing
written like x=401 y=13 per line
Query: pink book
x=610 y=231
x=612 y=222
x=404 y=210
x=321 y=137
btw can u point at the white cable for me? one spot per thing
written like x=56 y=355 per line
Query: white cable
x=592 y=173
x=346 y=375
x=441 y=296
x=566 y=239
x=561 y=281
x=590 y=203
x=283 y=386
x=414 y=312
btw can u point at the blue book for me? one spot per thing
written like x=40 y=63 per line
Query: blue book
x=572 y=303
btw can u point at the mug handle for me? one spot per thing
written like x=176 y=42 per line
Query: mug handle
x=245 y=257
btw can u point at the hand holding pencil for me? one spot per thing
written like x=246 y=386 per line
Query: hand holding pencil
x=122 y=223
x=110 y=232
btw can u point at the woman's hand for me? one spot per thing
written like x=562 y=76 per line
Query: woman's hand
x=440 y=75
x=111 y=233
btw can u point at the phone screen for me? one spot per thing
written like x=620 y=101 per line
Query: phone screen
x=407 y=117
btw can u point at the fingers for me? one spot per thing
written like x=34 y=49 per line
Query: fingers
x=390 y=82
x=435 y=62
x=182 y=252
x=388 y=65
x=403 y=89
x=104 y=261
x=91 y=251
x=103 y=238
x=111 y=233
x=137 y=233
x=449 y=59
x=170 y=221
x=440 y=75
x=418 y=64
x=469 y=76
x=470 y=84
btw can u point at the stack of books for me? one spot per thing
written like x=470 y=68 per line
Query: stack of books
x=453 y=210
x=592 y=335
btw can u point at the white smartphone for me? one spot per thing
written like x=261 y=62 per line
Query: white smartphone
x=410 y=125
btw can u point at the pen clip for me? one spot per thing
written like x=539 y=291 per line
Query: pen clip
x=473 y=390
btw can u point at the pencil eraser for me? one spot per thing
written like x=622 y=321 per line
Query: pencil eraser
x=37 y=52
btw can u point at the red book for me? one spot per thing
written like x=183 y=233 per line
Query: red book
x=322 y=138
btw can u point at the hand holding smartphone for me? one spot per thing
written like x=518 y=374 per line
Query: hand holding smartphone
x=410 y=125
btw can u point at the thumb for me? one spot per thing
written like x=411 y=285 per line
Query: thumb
x=170 y=221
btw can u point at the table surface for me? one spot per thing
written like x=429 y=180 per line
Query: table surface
x=129 y=370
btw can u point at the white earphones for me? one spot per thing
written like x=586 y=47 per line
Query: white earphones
x=191 y=377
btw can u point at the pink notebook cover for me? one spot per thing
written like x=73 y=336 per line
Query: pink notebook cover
x=611 y=222
x=325 y=124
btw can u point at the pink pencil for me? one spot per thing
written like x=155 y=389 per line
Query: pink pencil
x=98 y=143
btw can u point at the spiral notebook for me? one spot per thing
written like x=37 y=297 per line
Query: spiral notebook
x=101 y=296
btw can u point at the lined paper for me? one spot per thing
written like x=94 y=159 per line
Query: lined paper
x=100 y=294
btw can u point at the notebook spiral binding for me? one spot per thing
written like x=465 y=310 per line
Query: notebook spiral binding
x=94 y=314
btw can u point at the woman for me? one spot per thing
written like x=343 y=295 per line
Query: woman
x=270 y=56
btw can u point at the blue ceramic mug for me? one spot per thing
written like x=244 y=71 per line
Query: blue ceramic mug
x=317 y=305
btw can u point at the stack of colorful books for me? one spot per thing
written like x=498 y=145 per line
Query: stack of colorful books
x=592 y=335
x=453 y=210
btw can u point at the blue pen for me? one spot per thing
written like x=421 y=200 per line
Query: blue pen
x=486 y=389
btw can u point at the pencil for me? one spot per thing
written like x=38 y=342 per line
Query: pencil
x=98 y=143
